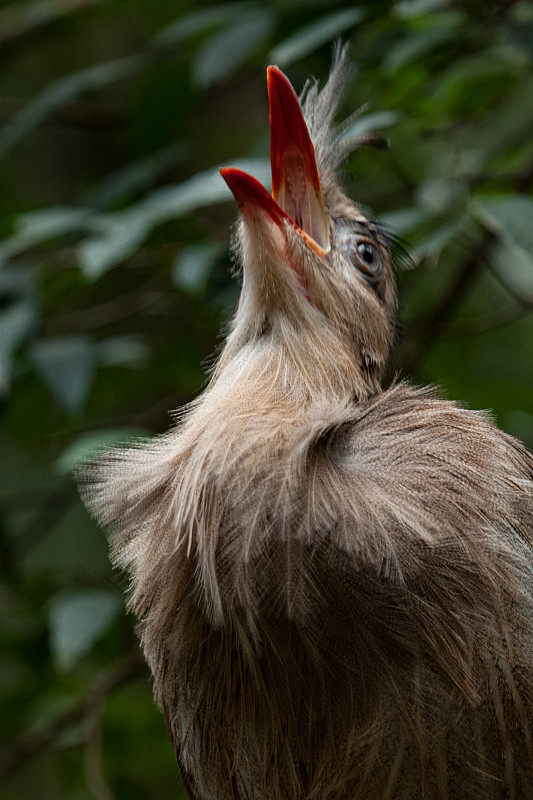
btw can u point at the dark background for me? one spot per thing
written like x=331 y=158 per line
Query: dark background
x=115 y=282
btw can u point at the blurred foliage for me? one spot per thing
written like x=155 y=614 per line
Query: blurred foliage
x=114 y=284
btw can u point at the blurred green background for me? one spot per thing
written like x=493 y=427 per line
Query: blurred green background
x=115 y=283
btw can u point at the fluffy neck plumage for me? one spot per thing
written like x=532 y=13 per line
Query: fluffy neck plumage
x=248 y=446
x=287 y=365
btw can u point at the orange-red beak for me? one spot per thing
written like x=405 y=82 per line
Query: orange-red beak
x=296 y=190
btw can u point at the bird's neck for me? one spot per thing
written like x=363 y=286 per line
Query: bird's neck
x=288 y=376
x=249 y=445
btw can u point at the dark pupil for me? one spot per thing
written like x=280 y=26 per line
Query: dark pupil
x=366 y=252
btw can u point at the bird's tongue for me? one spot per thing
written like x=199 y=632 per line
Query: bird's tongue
x=295 y=182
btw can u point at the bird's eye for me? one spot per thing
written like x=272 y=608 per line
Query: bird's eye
x=365 y=256
x=366 y=252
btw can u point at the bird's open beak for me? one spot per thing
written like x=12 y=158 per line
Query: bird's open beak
x=296 y=190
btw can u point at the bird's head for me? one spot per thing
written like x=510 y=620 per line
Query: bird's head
x=317 y=278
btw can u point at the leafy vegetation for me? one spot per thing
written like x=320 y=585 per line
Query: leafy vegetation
x=115 y=282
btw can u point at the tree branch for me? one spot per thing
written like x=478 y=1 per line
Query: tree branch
x=31 y=744
x=93 y=759
x=427 y=329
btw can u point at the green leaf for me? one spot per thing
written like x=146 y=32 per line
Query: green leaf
x=510 y=218
x=500 y=132
x=198 y=22
x=122 y=184
x=508 y=215
x=83 y=446
x=77 y=619
x=122 y=234
x=501 y=59
x=23 y=19
x=124 y=231
x=16 y=323
x=403 y=220
x=434 y=242
x=63 y=91
x=319 y=32
x=193 y=266
x=227 y=50
x=371 y=123
x=413 y=8
x=66 y=364
x=476 y=83
x=123 y=351
x=47 y=223
x=35 y=227
x=71 y=545
x=439 y=29
x=515 y=264
x=437 y=195
x=17 y=319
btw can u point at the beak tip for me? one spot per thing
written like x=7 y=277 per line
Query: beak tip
x=251 y=194
x=280 y=89
x=273 y=72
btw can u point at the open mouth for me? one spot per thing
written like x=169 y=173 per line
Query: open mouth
x=296 y=190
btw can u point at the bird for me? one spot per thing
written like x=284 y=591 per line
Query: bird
x=333 y=578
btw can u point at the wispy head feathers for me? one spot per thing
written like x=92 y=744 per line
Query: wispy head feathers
x=320 y=107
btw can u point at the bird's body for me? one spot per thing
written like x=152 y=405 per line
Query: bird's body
x=335 y=582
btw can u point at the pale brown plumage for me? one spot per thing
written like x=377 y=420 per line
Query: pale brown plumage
x=334 y=582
